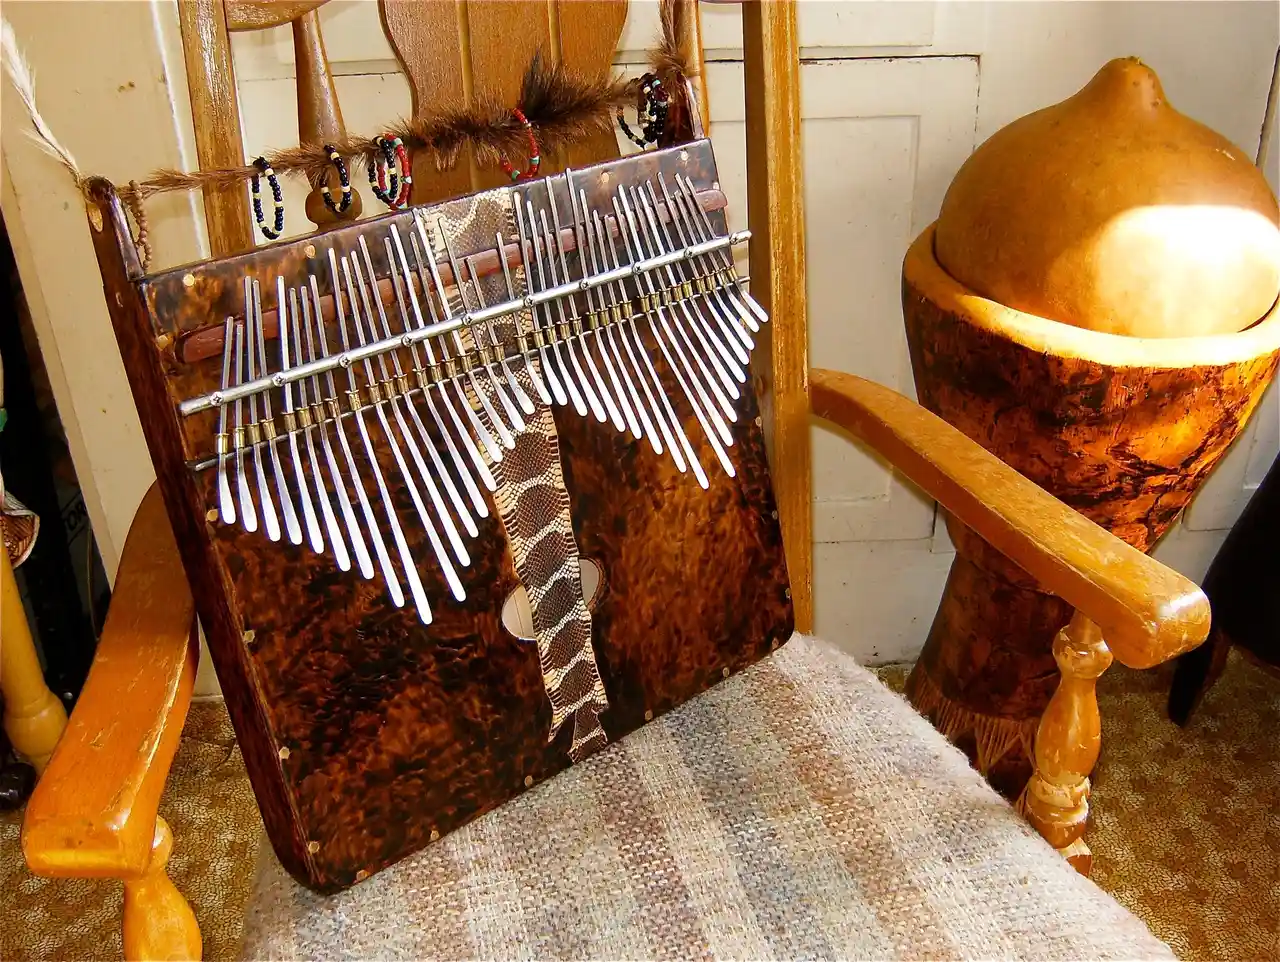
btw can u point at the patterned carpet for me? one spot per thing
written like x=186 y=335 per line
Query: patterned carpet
x=1186 y=829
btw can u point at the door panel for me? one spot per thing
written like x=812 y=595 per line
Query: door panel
x=882 y=139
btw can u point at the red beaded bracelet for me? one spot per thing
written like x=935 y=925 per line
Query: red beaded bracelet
x=535 y=161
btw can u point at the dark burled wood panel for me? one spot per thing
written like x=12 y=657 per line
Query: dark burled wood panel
x=1128 y=447
x=366 y=733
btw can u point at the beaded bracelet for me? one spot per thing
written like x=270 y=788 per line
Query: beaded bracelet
x=655 y=104
x=535 y=161
x=270 y=233
x=383 y=180
x=343 y=179
x=406 y=173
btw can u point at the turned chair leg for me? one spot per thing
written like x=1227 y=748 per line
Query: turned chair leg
x=1056 y=799
x=34 y=718
x=158 y=922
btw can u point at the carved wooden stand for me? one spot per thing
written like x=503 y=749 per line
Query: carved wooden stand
x=1122 y=429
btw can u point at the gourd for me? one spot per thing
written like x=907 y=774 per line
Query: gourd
x=1113 y=211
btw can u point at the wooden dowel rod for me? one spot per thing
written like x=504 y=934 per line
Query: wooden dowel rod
x=207 y=342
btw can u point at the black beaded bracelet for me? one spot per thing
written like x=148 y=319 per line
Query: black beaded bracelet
x=264 y=169
x=343 y=179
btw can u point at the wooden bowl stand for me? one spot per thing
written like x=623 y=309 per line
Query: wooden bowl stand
x=1123 y=429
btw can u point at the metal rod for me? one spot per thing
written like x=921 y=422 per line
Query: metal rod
x=353 y=355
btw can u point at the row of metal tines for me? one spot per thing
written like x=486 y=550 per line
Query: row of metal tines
x=467 y=382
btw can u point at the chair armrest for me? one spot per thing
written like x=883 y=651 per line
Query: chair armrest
x=94 y=810
x=1147 y=612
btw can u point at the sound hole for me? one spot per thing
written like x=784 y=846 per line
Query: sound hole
x=517 y=617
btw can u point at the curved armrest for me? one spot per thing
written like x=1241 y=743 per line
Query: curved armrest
x=1147 y=612
x=93 y=812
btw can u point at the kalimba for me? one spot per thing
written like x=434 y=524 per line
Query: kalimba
x=368 y=438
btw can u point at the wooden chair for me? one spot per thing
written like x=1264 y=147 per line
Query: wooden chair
x=920 y=857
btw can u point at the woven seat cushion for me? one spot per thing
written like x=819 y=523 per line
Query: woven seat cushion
x=797 y=810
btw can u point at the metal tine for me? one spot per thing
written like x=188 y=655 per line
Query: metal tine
x=637 y=416
x=695 y=393
x=322 y=495
x=248 y=516
x=363 y=561
x=226 y=503
x=729 y=318
x=584 y=342
x=557 y=387
x=707 y=413
x=477 y=499
x=475 y=330
x=547 y=261
x=538 y=384
x=304 y=492
x=270 y=521
x=675 y=330
x=708 y=337
x=353 y=387
x=491 y=444
x=521 y=398
x=291 y=526
x=504 y=433
x=660 y=406
x=663 y=412
x=718 y=325
x=446 y=520
x=735 y=291
x=379 y=408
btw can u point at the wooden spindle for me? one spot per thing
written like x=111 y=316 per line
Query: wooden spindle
x=34 y=718
x=158 y=922
x=1056 y=799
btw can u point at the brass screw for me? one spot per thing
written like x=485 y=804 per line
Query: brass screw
x=284 y=753
x=724 y=672
x=648 y=716
x=528 y=781
x=310 y=251
x=684 y=156
x=360 y=875
x=248 y=639
x=313 y=847
x=211 y=515
x=435 y=836
x=759 y=421
x=188 y=280
x=604 y=178
x=774 y=514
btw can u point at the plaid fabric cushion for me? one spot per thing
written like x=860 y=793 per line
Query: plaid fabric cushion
x=798 y=810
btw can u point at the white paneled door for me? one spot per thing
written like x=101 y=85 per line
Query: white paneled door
x=882 y=140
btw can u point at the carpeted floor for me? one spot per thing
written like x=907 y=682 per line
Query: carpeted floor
x=1185 y=831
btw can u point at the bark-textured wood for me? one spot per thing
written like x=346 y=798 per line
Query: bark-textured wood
x=365 y=734
x=211 y=84
x=1121 y=429
x=775 y=197
x=1068 y=740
